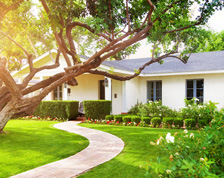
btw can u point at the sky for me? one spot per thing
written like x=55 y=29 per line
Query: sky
x=216 y=23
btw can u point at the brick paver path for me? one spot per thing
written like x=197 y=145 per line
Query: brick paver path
x=102 y=148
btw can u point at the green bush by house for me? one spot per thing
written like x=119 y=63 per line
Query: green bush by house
x=168 y=121
x=190 y=123
x=136 y=119
x=178 y=122
x=126 y=119
x=118 y=118
x=96 y=109
x=147 y=120
x=109 y=117
x=156 y=121
x=58 y=109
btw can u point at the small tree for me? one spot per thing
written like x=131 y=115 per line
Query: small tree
x=114 y=25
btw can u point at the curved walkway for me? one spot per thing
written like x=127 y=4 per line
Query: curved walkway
x=102 y=148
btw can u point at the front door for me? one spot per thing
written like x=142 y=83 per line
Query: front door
x=102 y=90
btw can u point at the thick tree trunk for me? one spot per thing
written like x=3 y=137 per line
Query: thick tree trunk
x=15 y=109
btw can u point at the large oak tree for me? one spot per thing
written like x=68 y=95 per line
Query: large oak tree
x=113 y=27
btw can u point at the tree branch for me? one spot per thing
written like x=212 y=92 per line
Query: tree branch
x=124 y=78
x=10 y=83
x=36 y=70
x=127 y=14
x=73 y=24
x=17 y=44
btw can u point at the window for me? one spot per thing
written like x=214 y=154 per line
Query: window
x=195 y=88
x=154 y=90
x=57 y=93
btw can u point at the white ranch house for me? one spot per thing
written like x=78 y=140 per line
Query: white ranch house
x=201 y=77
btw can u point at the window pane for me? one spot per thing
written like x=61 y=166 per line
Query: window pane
x=150 y=90
x=190 y=93
x=190 y=84
x=199 y=93
x=200 y=83
x=158 y=85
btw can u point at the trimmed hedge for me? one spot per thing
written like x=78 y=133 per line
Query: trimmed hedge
x=58 y=109
x=109 y=117
x=96 y=109
x=136 y=119
x=147 y=120
x=168 y=121
x=178 y=122
x=126 y=119
x=118 y=118
x=190 y=122
x=156 y=121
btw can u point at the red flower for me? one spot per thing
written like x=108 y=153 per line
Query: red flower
x=88 y=118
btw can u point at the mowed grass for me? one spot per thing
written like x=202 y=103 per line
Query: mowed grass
x=137 y=151
x=29 y=144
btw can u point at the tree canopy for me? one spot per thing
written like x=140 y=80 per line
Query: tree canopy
x=112 y=28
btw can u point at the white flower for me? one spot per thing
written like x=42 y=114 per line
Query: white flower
x=189 y=105
x=152 y=143
x=191 y=135
x=196 y=99
x=202 y=159
x=176 y=154
x=185 y=131
x=168 y=171
x=169 y=138
x=186 y=136
x=159 y=140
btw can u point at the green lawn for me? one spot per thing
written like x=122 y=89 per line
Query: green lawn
x=137 y=151
x=29 y=144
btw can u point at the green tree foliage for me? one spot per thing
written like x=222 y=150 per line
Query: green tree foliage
x=210 y=41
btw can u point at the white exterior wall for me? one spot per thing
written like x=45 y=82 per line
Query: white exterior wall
x=116 y=100
x=132 y=90
x=174 y=89
x=87 y=89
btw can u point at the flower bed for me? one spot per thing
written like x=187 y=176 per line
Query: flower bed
x=48 y=118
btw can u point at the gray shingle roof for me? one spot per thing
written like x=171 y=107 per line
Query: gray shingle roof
x=206 y=61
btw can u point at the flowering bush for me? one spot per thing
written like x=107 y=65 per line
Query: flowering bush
x=152 y=109
x=190 y=155
x=198 y=111
x=48 y=118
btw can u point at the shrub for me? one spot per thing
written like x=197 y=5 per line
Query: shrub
x=190 y=123
x=58 y=109
x=168 y=121
x=96 y=109
x=178 y=122
x=118 y=118
x=202 y=123
x=189 y=155
x=126 y=119
x=135 y=110
x=109 y=117
x=156 y=121
x=147 y=120
x=136 y=119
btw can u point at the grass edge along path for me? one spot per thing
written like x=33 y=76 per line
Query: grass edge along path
x=137 y=151
x=30 y=144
